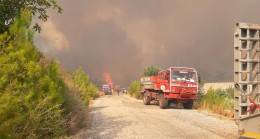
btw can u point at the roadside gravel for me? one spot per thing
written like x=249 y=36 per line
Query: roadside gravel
x=122 y=117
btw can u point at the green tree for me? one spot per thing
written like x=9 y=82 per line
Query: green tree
x=150 y=71
x=9 y=9
x=134 y=89
x=31 y=92
x=86 y=90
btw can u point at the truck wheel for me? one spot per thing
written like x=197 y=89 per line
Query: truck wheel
x=146 y=99
x=169 y=104
x=188 y=105
x=163 y=103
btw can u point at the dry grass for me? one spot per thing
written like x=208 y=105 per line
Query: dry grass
x=77 y=112
x=217 y=101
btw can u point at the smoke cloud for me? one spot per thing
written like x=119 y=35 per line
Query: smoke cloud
x=121 y=37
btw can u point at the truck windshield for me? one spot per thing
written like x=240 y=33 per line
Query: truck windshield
x=183 y=76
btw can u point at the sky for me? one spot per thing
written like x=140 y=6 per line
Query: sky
x=121 y=37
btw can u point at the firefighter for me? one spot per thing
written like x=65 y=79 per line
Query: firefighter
x=118 y=92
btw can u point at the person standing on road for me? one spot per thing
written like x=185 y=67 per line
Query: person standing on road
x=118 y=92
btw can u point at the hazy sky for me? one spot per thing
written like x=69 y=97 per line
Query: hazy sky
x=121 y=37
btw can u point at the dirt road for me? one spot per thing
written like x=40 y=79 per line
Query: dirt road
x=122 y=117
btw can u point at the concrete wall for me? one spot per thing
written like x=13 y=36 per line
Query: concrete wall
x=219 y=85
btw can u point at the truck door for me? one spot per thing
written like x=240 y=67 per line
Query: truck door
x=167 y=76
x=163 y=78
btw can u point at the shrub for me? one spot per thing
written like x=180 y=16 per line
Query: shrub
x=134 y=89
x=38 y=99
x=218 y=100
x=76 y=110
x=85 y=89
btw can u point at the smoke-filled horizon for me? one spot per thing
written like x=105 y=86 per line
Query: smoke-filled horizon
x=121 y=37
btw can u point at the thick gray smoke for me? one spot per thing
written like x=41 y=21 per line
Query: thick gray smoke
x=121 y=37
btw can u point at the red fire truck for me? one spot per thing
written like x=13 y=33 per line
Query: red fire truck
x=173 y=85
x=107 y=89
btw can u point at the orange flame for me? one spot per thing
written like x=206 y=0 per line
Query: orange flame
x=108 y=79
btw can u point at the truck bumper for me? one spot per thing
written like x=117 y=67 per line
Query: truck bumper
x=181 y=97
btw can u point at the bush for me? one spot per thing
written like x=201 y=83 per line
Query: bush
x=218 y=100
x=85 y=89
x=76 y=110
x=38 y=99
x=134 y=89
x=79 y=92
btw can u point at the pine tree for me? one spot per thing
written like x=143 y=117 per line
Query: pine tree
x=86 y=89
x=30 y=88
x=150 y=71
